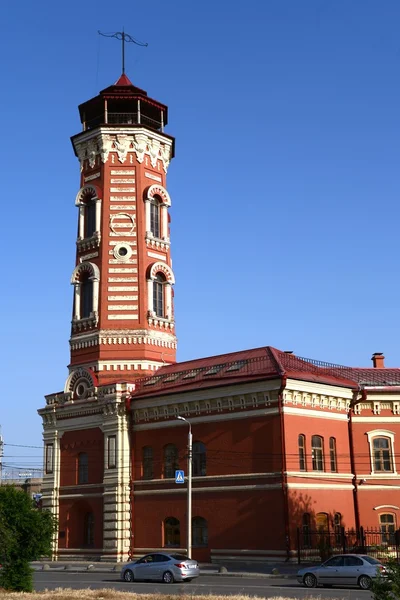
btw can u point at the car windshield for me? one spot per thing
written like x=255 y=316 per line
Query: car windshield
x=179 y=556
x=372 y=561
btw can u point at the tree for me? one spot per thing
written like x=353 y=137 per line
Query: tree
x=387 y=588
x=26 y=534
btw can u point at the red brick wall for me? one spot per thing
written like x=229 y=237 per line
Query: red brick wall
x=72 y=444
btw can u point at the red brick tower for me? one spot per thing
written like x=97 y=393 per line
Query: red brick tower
x=123 y=318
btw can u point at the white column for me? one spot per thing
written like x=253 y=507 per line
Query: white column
x=164 y=221
x=168 y=300
x=51 y=481
x=77 y=300
x=98 y=215
x=95 y=283
x=150 y=295
x=138 y=111
x=147 y=214
x=81 y=221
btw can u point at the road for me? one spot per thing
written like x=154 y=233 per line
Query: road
x=204 y=585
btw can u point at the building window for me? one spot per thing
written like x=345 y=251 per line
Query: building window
x=147 y=455
x=89 y=217
x=89 y=529
x=302 y=452
x=199 y=459
x=388 y=527
x=317 y=448
x=382 y=454
x=86 y=296
x=337 y=527
x=112 y=451
x=83 y=468
x=172 y=532
x=322 y=522
x=155 y=209
x=306 y=525
x=171 y=463
x=332 y=454
x=199 y=532
x=49 y=458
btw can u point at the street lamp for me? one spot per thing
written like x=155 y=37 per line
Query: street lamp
x=189 y=488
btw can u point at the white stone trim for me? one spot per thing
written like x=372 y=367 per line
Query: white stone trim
x=222 y=488
x=388 y=420
x=386 y=506
x=94 y=276
x=319 y=475
x=388 y=488
x=319 y=414
x=199 y=479
x=320 y=486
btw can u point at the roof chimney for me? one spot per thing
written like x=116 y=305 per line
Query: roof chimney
x=378 y=360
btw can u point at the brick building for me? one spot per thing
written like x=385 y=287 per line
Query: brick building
x=280 y=441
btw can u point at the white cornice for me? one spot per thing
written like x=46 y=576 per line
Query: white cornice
x=320 y=486
x=213 y=489
x=208 y=418
x=204 y=478
x=319 y=388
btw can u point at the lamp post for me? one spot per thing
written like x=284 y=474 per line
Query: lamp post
x=189 y=489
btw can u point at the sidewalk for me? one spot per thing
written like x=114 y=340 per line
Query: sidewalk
x=277 y=571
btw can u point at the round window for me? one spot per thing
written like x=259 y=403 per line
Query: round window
x=123 y=251
x=80 y=389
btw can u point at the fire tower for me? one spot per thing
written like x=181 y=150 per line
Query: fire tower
x=123 y=319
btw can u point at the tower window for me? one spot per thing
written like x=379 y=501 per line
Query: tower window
x=158 y=295
x=332 y=454
x=382 y=454
x=155 y=209
x=147 y=462
x=199 y=459
x=90 y=218
x=86 y=296
x=171 y=463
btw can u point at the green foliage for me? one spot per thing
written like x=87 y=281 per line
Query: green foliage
x=25 y=534
x=387 y=588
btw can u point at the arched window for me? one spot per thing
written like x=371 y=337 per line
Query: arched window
x=158 y=295
x=337 y=527
x=199 y=459
x=89 y=217
x=322 y=522
x=382 y=454
x=155 y=209
x=387 y=524
x=147 y=454
x=89 y=529
x=317 y=453
x=86 y=296
x=171 y=463
x=83 y=468
x=199 y=531
x=306 y=525
x=302 y=452
x=332 y=454
x=172 y=532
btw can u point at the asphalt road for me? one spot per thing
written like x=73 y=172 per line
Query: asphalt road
x=204 y=585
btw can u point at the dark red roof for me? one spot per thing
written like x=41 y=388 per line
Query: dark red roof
x=123 y=80
x=239 y=367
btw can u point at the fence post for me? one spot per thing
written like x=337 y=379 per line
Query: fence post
x=343 y=539
x=362 y=539
x=298 y=545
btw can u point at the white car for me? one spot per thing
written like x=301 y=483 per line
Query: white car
x=161 y=566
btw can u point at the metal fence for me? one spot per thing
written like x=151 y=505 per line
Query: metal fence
x=318 y=546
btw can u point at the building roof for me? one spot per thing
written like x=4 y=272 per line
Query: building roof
x=249 y=365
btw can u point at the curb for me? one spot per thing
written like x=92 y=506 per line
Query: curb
x=116 y=570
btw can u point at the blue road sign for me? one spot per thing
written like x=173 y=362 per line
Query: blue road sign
x=179 y=477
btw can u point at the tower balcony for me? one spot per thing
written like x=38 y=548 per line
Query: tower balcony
x=125 y=118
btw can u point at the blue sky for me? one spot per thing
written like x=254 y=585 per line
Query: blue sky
x=285 y=184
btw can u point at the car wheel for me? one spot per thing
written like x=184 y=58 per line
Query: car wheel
x=365 y=582
x=168 y=577
x=128 y=575
x=310 y=580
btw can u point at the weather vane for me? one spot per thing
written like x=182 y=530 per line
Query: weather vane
x=124 y=37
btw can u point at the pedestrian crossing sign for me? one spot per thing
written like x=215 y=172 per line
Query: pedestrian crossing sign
x=179 y=477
